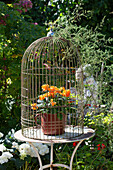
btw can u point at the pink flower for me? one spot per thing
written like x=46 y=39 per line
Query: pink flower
x=16 y=4
x=46 y=65
x=5 y=68
x=6 y=16
x=20 y=11
x=24 y=5
x=29 y=5
x=35 y=23
x=25 y=9
x=2 y=22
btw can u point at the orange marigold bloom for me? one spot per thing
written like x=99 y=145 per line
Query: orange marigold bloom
x=45 y=95
x=66 y=93
x=48 y=94
x=34 y=106
x=62 y=88
x=63 y=94
x=41 y=97
x=45 y=87
x=53 y=103
x=52 y=88
x=52 y=94
x=57 y=90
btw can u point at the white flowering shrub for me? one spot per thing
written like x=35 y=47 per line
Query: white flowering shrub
x=1 y=135
x=5 y=157
x=14 y=153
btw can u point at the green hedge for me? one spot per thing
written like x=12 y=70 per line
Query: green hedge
x=16 y=35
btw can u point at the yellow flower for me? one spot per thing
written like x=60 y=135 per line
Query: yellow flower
x=34 y=106
x=8 y=81
x=45 y=87
x=76 y=101
x=52 y=88
x=53 y=103
x=41 y=97
x=62 y=88
x=66 y=93
x=48 y=61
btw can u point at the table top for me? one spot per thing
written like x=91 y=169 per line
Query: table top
x=88 y=133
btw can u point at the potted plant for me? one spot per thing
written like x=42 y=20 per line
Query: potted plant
x=52 y=106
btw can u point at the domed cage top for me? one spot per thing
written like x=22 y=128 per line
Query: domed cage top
x=51 y=96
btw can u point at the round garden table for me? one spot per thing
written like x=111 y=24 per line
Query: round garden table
x=88 y=133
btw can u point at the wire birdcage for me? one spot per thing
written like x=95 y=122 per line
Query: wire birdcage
x=51 y=96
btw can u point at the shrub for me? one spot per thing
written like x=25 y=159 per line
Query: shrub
x=16 y=35
x=95 y=49
x=15 y=154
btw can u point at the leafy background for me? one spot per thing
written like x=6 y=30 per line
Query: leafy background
x=89 y=24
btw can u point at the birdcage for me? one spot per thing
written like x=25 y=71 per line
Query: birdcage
x=51 y=93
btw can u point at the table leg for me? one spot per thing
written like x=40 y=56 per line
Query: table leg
x=38 y=156
x=73 y=154
x=51 y=157
x=51 y=165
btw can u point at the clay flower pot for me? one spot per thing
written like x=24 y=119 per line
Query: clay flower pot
x=53 y=124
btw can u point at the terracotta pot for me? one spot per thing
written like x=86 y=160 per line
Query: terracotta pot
x=53 y=125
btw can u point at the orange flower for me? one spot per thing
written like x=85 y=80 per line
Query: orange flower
x=63 y=94
x=52 y=88
x=62 y=88
x=41 y=97
x=52 y=94
x=48 y=94
x=45 y=87
x=34 y=106
x=53 y=103
x=66 y=93
x=57 y=90
x=45 y=95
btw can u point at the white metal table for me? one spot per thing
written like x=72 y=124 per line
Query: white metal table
x=88 y=133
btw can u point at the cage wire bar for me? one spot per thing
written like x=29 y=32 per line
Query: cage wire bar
x=51 y=96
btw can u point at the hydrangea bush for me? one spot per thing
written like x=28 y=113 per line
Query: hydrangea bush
x=12 y=150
